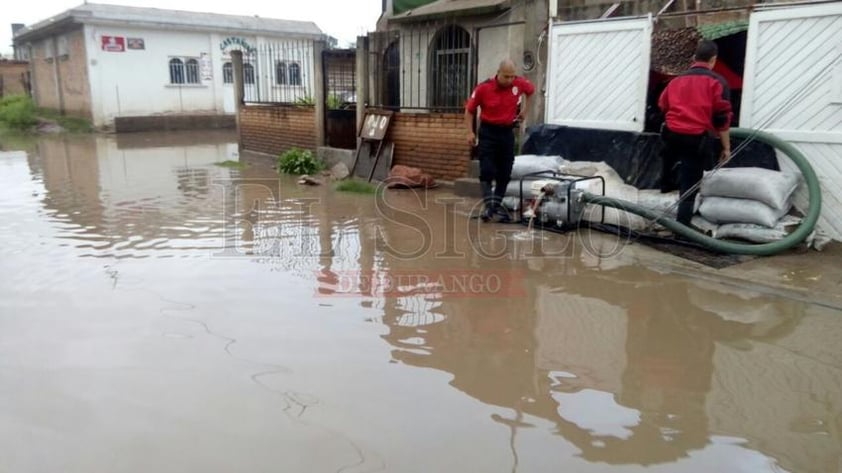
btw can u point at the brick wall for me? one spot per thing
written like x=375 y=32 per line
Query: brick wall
x=13 y=73
x=434 y=142
x=76 y=91
x=43 y=75
x=51 y=61
x=274 y=129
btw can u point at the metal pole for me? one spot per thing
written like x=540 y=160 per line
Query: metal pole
x=239 y=89
x=319 y=83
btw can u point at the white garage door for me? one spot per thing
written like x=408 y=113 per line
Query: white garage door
x=599 y=73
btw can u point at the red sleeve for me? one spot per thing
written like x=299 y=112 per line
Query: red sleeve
x=474 y=100
x=524 y=85
x=722 y=113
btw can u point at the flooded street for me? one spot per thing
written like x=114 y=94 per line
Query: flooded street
x=161 y=313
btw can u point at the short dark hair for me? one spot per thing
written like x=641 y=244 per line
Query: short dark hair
x=706 y=50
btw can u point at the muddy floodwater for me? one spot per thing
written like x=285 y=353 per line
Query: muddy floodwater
x=161 y=313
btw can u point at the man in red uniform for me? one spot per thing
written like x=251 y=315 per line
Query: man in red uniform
x=497 y=99
x=697 y=107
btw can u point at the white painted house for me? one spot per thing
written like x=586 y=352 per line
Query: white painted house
x=105 y=61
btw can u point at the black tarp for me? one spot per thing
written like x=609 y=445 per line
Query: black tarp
x=635 y=156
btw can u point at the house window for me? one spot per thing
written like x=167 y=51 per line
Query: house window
x=176 y=71
x=48 y=49
x=294 y=71
x=184 y=71
x=450 y=67
x=248 y=73
x=192 y=69
x=227 y=73
x=287 y=73
x=281 y=73
x=63 y=49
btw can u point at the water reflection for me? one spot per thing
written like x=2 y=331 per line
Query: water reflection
x=624 y=365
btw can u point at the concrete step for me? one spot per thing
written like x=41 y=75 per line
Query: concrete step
x=467 y=187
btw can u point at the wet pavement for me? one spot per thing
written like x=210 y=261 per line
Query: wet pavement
x=161 y=313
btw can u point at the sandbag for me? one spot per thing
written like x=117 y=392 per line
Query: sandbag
x=707 y=227
x=664 y=204
x=591 y=168
x=616 y=189
x=530 y=163
x=773 y=188
x=723 y=210
x=758 y=233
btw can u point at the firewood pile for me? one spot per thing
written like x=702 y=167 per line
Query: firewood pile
x=673 y=49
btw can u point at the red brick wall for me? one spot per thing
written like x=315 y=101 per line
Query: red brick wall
x=274 y=129
x=13 y=73
x=73 y=71
x=70 y=68
x=434 y=142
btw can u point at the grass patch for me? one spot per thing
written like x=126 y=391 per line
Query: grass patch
x=356 y=187
x=70 y=124
x=17 y=112
x=231 y=164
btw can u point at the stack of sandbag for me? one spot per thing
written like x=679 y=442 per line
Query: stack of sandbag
x=749 y=203
x=531 y=163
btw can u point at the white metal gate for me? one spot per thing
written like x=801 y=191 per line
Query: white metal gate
x=792 y=89
x=598 y=73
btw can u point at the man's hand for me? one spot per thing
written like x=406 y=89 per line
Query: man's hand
x=472 y=138
x=725 y=155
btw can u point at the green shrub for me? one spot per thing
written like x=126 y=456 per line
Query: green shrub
x=18 y=112
x=305 y=101
x=357 y=187
x=299 y=161
x=333 y=102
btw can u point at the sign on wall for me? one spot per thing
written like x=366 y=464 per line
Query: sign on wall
x=205 y=67
x=135 y=43
x=113 y=44
x=235 y=42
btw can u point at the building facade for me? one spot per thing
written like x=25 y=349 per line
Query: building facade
x=104 y=62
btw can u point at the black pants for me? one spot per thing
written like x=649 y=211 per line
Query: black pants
x=687 y=156
x=496 y=152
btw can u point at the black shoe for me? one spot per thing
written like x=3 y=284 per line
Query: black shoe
x=487 y=215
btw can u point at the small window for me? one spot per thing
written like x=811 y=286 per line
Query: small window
x=281 y=73
x=227 y=73
x=294 y=74
x=248 y=73
x=63 y=49
x=192 y=71
x=176 y=71
x=48 y=49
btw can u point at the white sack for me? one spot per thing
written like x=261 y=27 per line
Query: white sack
x=530 y=163
x=773 y=188
x=723 y=210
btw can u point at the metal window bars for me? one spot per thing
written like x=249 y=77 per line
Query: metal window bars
x=280 y=72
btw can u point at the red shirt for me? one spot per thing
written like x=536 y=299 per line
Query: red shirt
x=499 y=104
x=696 y=102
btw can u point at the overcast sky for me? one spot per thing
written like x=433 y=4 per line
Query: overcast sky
x=342 y=19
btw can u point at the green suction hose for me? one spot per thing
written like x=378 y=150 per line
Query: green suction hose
x=762 y=249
